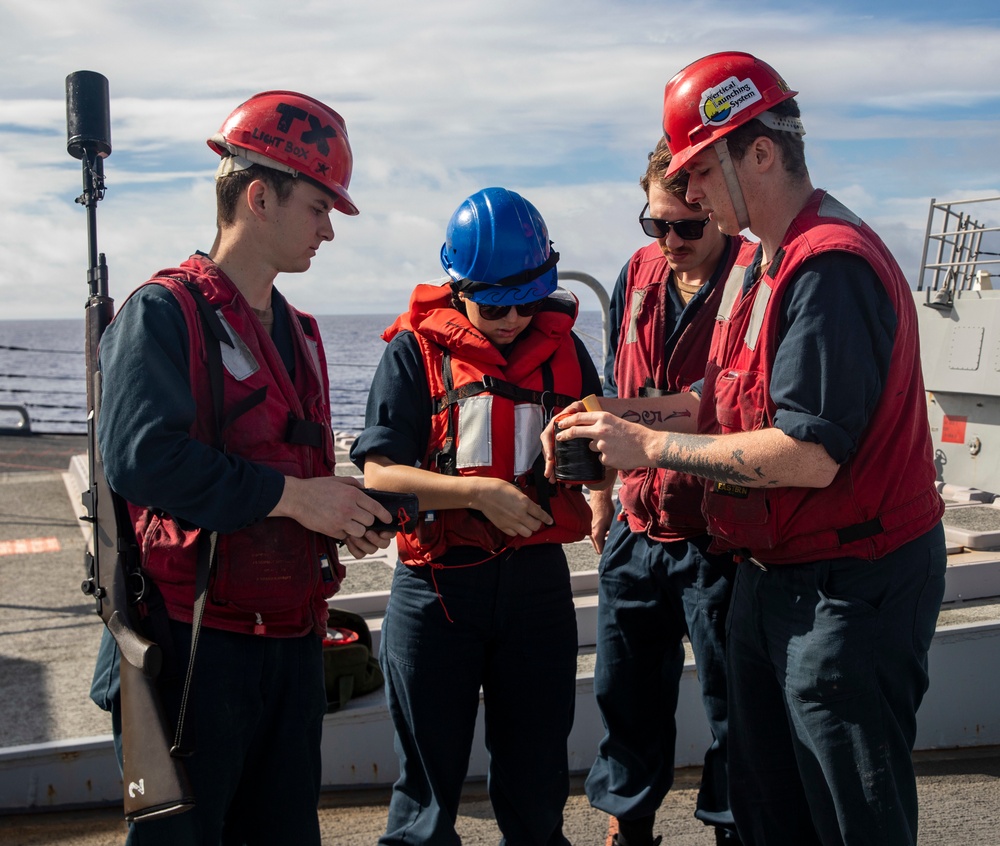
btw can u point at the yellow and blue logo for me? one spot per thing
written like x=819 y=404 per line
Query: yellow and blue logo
x=721 y=104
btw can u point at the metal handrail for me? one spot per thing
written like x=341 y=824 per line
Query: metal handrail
x=23 y=426
x=959 y=248
x=603 y=298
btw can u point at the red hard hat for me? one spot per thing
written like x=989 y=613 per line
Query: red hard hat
x=293 y=133
x=712 y=96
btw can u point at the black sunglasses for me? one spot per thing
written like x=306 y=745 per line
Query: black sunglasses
x=654 y=227
x=495 y=312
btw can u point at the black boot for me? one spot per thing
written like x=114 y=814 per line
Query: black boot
x=617 y=841
x=726 y=837
x=637 y=832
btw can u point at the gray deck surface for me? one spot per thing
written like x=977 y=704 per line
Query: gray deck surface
x=48 y=641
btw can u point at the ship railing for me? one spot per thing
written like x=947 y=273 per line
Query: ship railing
x=38 y=382
x=605 y=302
x=22 y=421
x=957 y=254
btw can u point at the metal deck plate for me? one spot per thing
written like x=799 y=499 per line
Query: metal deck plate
x=974 y=526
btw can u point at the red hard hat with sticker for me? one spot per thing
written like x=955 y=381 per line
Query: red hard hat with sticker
x=293 y=133
x=712 y=96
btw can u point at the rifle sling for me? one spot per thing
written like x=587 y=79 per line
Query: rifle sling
x=206 y=540
x=206 y=561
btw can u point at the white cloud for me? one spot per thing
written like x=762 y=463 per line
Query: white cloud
x=557 y=100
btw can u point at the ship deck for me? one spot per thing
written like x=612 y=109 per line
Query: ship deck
x=48 y=642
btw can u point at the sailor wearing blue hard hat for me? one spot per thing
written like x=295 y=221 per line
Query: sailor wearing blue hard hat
x=497 y=250
x=481 y=601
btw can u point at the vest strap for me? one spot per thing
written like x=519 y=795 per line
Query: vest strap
x=500 y=388
x=214 y=330
x=860 y=531
x=446 y=456
x=244 y=405
x=304 y=432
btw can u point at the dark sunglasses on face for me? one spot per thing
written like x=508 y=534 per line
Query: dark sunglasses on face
x=655 y=227
x=492 y=312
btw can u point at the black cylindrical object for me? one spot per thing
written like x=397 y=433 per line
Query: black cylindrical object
x=88 y=115
x=576 y=463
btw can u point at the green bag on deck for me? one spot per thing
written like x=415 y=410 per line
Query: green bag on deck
x=349 y=668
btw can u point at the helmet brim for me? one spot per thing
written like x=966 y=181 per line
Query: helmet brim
x=536 y=289
x=342 y=201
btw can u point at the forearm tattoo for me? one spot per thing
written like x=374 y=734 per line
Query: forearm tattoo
x=688 y=454
x=650 y=417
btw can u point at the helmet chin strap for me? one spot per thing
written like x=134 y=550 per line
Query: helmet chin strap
x=733 y=184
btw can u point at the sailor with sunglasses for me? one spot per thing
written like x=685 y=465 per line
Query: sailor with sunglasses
x=481 y=598
x=658 y=581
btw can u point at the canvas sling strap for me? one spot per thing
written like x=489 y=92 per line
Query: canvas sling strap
x=208 y=540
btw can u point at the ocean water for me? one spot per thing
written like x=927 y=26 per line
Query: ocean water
x=42 y=368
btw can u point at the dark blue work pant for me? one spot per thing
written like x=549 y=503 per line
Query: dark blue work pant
x=827 y=667
x=256 y=717
x=651 y=594
x=513 y=633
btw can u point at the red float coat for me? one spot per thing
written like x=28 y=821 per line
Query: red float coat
x=489 y=411
x=666 y=504
x=267 y=578
x=884 y=495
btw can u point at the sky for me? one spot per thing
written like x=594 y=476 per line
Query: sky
x=560 y=101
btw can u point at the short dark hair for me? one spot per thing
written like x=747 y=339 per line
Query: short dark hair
x=676 y=184
x=793 y=155
x=231 y=187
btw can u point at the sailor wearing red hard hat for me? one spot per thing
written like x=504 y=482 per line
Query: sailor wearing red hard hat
x=813 y=441
x=215 y=427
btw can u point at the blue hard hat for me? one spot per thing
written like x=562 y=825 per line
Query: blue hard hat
x=497 y=249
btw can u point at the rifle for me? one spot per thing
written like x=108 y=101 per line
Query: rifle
x=154 y=780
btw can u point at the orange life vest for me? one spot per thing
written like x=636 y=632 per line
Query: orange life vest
x=488 y=413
